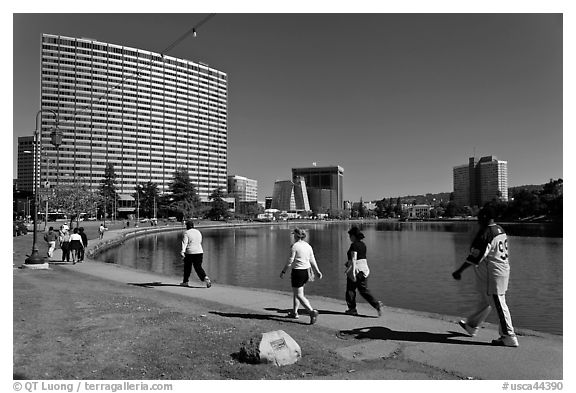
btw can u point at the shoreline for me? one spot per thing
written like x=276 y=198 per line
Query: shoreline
x=121 y=236
x=80 y=312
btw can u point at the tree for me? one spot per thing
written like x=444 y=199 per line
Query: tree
x=108 y=188
x=184 y=199
x=381 y=208
x=148 y=196
x=73 y=199
x=398 y=207
x=451 y=209
x=362 y=211
x=219 y=208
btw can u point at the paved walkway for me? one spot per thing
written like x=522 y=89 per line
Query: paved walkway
x=435 y=341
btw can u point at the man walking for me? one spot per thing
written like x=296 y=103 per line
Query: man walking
x=101 y=230
x=84 y=244
x=51 y=238
x=489 y=256
x=193 y=254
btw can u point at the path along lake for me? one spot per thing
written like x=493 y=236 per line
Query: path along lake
x=410 y=263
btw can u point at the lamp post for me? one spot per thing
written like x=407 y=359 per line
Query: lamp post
x=56 y=140
x=34 y=258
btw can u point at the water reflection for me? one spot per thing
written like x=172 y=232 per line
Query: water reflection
x=410 y=264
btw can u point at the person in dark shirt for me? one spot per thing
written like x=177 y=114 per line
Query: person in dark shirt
x=82 y=251
x=489 y=256
x=357 y=272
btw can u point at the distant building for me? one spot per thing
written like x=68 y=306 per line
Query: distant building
x=268 y=203
x=290 y=195
x=325 y=187
x=26 y=164
x=419 y=211
x=242 y=188
x=480 y=181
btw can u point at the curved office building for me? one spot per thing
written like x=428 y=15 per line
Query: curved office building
x=145 y=113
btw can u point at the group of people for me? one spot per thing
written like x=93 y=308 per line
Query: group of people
x=73 y=244
x=488 y=255
x=304 y=267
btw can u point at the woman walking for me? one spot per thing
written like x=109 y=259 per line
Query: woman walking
x=301 y=260
x=357 y=272
x=76 y=245
x=64 y=238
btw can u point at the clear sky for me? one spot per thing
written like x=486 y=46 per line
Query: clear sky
x=397 y=100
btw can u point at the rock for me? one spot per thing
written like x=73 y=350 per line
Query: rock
x=275 y=347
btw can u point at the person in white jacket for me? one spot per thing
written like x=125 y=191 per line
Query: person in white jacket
x=301 y=260
x=193 y=254
x=490 y=258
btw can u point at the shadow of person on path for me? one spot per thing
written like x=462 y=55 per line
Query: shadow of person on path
x=259 y=317
x=384 y=333
x=322 y=312
x=160 y=284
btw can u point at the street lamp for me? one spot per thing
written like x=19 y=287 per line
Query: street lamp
x=34 y=258
x=56 y=140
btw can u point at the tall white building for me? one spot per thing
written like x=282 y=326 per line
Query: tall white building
x=246 y=190
x=145 y=113
x=480 y=181
x=493 y=175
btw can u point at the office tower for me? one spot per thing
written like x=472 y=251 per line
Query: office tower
x=290 y=195
x=493 y=179
x=480 y=181
x=26 y=167
x=324 y=185
x=243 y=189
x=147 y=114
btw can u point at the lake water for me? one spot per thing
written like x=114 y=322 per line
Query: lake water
x=411 y=264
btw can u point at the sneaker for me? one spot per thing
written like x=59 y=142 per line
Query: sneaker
x=351 y=312
x=380 y=307
x=469 y=329
x=208 y=282
x=184 y=284
x=292 y=315
x=313 y=316
x=506 y=341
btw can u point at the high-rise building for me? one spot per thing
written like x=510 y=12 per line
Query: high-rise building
x=325 y=187
x=480 y=181
x=146 y=113
x=290 y=195
x=26 y=168
x=493 y=179
x=243 y=189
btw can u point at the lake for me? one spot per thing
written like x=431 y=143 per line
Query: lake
x=410 y=262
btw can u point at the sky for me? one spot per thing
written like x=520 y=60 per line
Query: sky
x=397 y=100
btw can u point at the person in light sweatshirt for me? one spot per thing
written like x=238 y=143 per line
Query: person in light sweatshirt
x=193 y=254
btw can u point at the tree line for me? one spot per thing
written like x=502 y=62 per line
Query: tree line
x=524 y=202
x=181 y=201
